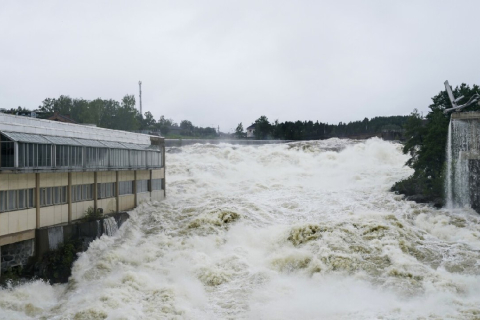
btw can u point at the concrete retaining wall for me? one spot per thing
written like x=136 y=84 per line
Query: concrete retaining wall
x=50 y=238
x=85 y=231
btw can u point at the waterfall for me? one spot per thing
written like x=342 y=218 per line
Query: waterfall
x=55 y=237
x=110 y=226
x=462 y=155
x=448 y=176
x=99 y=229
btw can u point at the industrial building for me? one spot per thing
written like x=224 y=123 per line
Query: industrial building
x=52 y=172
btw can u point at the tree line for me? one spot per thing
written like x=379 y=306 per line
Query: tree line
x=122 y=115
x=309 y=130
x=117 y=115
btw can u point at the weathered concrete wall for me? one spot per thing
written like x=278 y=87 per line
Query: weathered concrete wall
x=85 y=231
x=49 y=238
x=16 y=254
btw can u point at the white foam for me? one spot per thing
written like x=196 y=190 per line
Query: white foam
x=306 y=230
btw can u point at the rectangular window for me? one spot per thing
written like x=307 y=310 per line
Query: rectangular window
x=82 y=192
x=157 y=184
x=8 y=154
x=106 y=190
x=22 y=199
x=57 y=194
x=72 y=193
x=11 y=200
x=48 y=199
x=31 y=198
x=3 y=201
x=142 y=186
x=42 y=197
x=31 y=156
x=63 y=197
x=125 y=187
x=16 y=200
x=44 y=155
x=78 y=195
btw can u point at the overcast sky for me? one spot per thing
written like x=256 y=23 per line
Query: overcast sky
x=225 y=62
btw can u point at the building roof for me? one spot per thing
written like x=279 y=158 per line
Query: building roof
x=43 y=139
x=62 y=118
x=251 y=127
x=50 y=131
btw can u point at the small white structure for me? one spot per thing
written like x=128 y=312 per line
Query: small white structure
x=251 y=131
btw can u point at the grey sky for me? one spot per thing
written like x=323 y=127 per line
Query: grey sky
x=225 y=62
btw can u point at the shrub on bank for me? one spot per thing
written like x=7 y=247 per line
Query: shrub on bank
x=91 y=214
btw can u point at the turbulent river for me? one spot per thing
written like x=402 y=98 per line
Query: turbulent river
x=305 y=230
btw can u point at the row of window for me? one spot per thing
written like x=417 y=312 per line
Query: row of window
x=11 y=200
x=106 y=190
x=53 y=196
x=32 y=155
x=82 y=192
x=17 y=199
x=125 y=187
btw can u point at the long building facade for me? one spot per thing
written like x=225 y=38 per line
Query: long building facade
x=51 y=173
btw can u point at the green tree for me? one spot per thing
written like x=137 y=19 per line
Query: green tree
x=127 y=116
x=239 y=131
x=262 y=128
x=164 y=125
x=187 y=127
x=147 y=121
x=62 y=105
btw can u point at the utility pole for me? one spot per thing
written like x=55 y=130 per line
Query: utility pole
x=140 y=95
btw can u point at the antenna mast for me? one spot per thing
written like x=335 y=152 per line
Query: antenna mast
x=140 y=95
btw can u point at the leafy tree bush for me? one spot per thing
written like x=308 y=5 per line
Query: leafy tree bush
x=239 y=131
x=92 y=215
x=262 y=128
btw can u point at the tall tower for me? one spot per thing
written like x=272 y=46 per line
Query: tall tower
x=140 y=95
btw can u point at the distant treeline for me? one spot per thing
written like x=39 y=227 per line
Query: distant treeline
x=309 y=130
x=122 y=115
x=118 y=115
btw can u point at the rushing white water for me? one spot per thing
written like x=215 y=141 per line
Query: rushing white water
x=55 y=237
x=110 y=226
x=306 y=230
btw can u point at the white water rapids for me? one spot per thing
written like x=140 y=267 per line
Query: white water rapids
x=304 y=230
